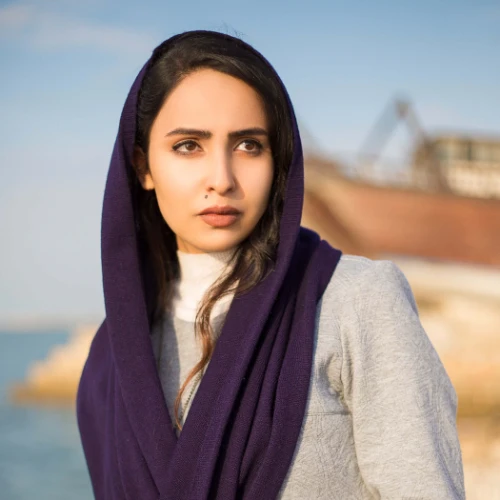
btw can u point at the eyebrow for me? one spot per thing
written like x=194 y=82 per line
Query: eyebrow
x=206 y=134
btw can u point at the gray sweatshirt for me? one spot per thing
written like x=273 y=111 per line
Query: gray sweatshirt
x=380 y=421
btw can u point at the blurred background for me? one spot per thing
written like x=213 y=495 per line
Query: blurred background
x=399 y=110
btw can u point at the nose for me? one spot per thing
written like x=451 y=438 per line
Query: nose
x=221 y=177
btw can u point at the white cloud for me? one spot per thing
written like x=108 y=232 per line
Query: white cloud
x=28 y=23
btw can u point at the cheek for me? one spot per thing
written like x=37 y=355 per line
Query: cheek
x=258 y=186
x=175 y=189
x=171 y=178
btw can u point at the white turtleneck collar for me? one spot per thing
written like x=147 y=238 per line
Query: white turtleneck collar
x=198 y=272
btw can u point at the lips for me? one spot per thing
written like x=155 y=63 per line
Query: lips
x=223 y=216
x=220 y=210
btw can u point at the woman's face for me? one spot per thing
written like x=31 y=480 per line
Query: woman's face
x=209 y=151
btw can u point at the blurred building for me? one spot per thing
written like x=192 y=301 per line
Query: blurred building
x=466 y=166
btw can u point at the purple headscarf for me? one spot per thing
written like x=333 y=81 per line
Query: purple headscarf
x=241 y=432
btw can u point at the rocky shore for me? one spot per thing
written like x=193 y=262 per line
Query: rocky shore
x=54 y=380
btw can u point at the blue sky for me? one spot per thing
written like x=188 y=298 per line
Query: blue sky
x=67 y=66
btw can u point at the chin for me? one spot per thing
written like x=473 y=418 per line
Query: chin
x=219 y=243
x=220 y=247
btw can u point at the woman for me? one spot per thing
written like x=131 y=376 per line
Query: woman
x=242 y=357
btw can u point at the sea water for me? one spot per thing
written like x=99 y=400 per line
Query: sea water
x=40 y=451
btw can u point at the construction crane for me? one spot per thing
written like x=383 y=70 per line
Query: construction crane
x=425 y=162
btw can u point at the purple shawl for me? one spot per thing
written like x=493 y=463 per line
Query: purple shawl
x=242 y=429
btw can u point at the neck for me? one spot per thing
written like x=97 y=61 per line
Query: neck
x=196 y=266
x=198 y=272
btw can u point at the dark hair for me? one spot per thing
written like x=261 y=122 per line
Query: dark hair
x=170 y=63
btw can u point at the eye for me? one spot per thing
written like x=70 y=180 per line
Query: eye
x=185 y=147
x=250 y=146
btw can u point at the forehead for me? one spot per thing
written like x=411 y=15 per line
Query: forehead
x=212 y=100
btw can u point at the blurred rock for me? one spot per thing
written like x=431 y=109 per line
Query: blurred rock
x=480 y=444
x=55 y=379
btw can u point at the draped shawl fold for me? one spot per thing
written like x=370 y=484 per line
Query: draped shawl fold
x=242 y=429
